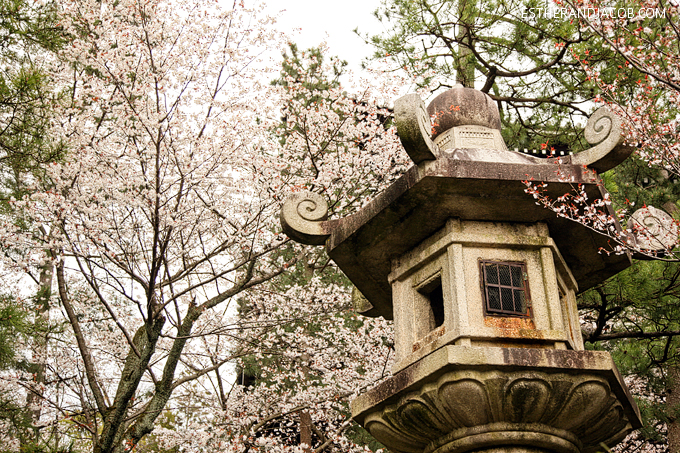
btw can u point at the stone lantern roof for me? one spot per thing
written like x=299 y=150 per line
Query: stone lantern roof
x=463 y=170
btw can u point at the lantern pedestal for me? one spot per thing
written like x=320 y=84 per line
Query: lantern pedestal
x=461 y=399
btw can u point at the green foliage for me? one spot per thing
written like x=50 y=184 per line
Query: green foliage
x=28 y=30
x=306 y=77
x=314 y=262
x=14 y=415
x=644 y=302
x=14 y=324
x=360 y=436
x=27 y=24
x=652 y=414
x=25 y=103
x=311 y=74
x=636 y=317
x=634 y=184
x=306 y=68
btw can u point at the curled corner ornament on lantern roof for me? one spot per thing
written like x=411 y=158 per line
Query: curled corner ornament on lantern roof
x=463 y=169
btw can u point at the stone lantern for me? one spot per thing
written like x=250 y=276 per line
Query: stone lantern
x=481 y=283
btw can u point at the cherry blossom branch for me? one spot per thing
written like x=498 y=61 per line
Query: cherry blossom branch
x=634 y=61
x=593 y=215
x=332 y=437
x=90 y=372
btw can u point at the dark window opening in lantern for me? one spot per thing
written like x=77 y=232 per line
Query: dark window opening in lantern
x=504 y=285
x=434 y=293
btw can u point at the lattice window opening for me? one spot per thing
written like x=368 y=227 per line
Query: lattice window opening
x=505 y=288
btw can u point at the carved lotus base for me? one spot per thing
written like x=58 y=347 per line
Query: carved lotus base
x=462 y=399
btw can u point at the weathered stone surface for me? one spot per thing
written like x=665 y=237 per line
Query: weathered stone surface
x=478 y=143
x=451 y=259
x=490 y=155
x=359 y=301
x=654 y=230
x=466 y=398
x=414 y=128
x=475 y=375
x=605 y=132
x=461 y=106
x=302 y=218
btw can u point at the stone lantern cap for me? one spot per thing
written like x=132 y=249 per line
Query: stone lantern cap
x=465 y=172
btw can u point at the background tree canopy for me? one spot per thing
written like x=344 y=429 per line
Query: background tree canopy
x=522 y=59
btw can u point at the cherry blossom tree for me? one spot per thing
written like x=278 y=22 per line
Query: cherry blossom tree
x=312 y=355
x=163 y=219
x=644 y=93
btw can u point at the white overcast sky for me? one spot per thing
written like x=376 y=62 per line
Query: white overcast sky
x=309 y=22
